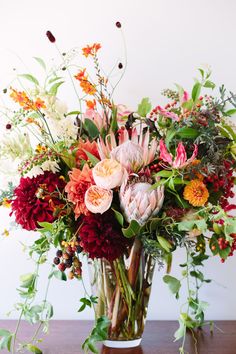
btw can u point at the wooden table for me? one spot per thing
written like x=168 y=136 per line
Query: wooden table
x=66 y=337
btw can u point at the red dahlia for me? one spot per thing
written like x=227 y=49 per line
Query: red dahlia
x=101 y=236
x=36 y=199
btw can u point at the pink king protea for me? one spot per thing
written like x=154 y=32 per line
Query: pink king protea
x=139 y=202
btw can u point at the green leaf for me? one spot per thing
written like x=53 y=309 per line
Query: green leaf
x=196 y=91
x=114 y=124
x=5 y=342
x=55 y=79
x=164 y=243
x=53 y=90
x=144 y=107
x=132 y=229
x=188 y=104
x=209 y=84
x=180 y=331
x=85 y=302
x=91 y=128
x=27 y=280
x=30 y=78
x=73 y=113
x=201 y=72
x=46 y=226
x=230 y=112
x=33 y=349
x=164 y=173
x=119 y=217
x=93 y=159
x=4 y=332
x=187 y=133
x=41 y=62
x=60 y=275
x=169 y=136
x=173 y=284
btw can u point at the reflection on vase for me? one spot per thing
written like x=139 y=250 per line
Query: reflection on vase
x=123 y=289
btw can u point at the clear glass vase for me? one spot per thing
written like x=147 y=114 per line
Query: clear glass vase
x=123 y=289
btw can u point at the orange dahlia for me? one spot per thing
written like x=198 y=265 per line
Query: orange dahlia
x=196 y=193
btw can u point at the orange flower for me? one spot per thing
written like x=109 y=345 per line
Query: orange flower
x=84 y=147
x=81 y=75
x=76 y=188
x=196 y=193
x=91 y=104
x=91 y=49
x=87 y=87
x=25 y=102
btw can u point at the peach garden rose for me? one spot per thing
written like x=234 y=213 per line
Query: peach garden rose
x=98 y=200
x=109 y=174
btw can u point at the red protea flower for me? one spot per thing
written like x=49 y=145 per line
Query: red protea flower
x=101 y=236
x=36 y=199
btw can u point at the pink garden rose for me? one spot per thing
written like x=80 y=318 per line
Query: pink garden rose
x=109 y=174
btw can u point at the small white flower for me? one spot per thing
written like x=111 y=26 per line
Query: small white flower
x=50 y=165
x=15 y=145
x=34 y=172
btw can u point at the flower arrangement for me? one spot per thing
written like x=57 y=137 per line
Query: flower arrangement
x=124 y=187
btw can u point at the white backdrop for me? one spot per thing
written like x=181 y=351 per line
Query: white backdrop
x=167 y=41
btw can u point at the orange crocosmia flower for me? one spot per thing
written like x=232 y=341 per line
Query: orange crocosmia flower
x=91 y=49
x=91 y=104
x=84 y=147
x=21 y=98
x=81 y=75
x=39 y=103
x=196 y=193
x=80 y=181
x=87 y=87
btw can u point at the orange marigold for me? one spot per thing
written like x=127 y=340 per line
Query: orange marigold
x=91 y=49
x=196 y=193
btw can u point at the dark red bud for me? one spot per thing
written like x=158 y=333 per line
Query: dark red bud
x=118 y=24
x=8 y=126
x=120 y=65
x=51 y=37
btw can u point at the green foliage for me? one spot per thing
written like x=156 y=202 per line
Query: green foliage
x=5 y=339
x=132 y=230
x=41 y=62
x=196 y=91
x=90 y=128
x=87 y=302
x=187 y=133
x=173 y=284
x=98 y=334
x=165 y=244
x=31 y=78
x=119 y=217
x=33 y=349
x=144 y=107
x=54 y=88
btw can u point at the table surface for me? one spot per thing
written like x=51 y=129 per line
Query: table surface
x=65 y=337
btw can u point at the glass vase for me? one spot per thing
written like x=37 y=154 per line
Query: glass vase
x=123 y=289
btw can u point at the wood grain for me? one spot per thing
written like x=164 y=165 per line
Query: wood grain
x=65 y=337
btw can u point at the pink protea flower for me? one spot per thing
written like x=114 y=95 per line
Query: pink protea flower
x=139 y=202
x=163 y=112
x=180 y=160
x=125 y=152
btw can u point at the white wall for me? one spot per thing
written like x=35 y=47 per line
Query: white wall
x=167 y=40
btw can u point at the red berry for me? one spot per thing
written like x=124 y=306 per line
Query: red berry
x=62 y=267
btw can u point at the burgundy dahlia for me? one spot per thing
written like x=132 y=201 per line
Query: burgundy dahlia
x=35 y=199
x=101 y=236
